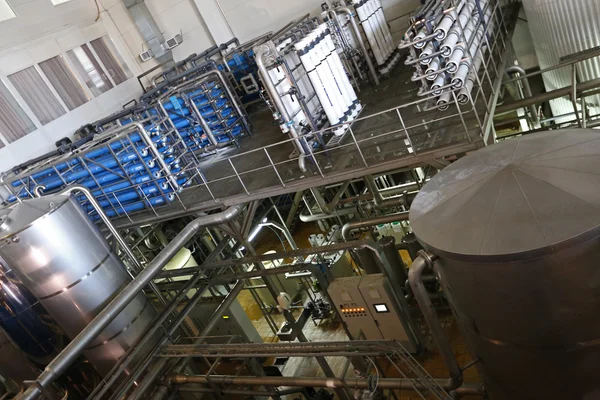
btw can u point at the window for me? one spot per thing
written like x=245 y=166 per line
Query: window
x=64 y=82
x=37 y=95
x=14 y=122
x=110 y=57
x=57 y=2
x=90 y=70
x=5 y=11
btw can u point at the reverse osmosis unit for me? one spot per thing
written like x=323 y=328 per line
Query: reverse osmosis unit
x=132 y=168
x=308 y=84
x=375 y=27
x=202 y=107
x=447 y=43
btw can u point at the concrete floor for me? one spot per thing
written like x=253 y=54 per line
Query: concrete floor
x=331 y=330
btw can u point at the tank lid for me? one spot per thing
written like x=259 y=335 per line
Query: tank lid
x=24 y=214
x=533 y=194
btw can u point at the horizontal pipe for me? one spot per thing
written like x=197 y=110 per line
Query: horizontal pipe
x=544 y=97
x=72 y=351
x=237 y=392
x=318 y=217
x=294 y=381
x=386 y=219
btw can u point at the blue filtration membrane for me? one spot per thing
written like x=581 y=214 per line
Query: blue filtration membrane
x=124 y=175
x=215 y=108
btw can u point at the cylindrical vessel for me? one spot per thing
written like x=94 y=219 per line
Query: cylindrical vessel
x=14 y=364
x=516 y=227
x=64 y=261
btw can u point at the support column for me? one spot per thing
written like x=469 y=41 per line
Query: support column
x=215 y=20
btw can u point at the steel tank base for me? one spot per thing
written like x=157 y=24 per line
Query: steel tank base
x=535 y=334
x=516 y=228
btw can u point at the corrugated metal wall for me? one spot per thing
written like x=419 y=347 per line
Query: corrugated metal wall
x=560 y=28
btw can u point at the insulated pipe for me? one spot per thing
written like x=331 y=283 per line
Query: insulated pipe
x=367 y=223
x=361 y=42
x=519 y=71
x=72 y=351
x=425 y=262
x=262 y=52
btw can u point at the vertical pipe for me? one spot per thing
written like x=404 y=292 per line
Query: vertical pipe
x=388 y=244
x=419 y=265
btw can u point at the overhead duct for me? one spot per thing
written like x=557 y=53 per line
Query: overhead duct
x=561 y=28
x=148 y=28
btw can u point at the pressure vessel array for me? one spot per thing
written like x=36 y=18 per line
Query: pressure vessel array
x=202 y=107
x=448 y=42
x=205 y=116
x=136 y=167
x=371 y=17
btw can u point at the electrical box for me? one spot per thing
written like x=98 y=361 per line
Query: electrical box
x=174 y=41
x=369 y=309
x=146 y=55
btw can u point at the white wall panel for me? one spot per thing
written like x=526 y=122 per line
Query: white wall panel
x=560 y=28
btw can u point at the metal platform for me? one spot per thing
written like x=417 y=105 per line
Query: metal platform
x=393 y=132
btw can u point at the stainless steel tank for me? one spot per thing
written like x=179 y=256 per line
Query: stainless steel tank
x=62 y=258
x=516 y=227
x=14 y=364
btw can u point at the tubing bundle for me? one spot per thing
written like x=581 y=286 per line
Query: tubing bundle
x=447 y=46
x=326 y=72
x=128 y=169
x=372 y=19
x=204 y=115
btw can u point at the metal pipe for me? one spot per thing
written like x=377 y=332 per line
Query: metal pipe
x=517 y=69
x=318 y=217
x=297 y=200
x=420 y=264
x=359 y=39
x=210 y=325
x=544 y=97
x=236 y=392
x=386 y=219
x=378 y=200
x=289 y=26
x=286 y=233
x=328 y=208
x=473 y=389
x=70 y=353
x=293 y=381
x=388 y=244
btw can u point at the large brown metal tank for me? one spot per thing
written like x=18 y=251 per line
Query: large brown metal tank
x=64 y=261
x=516 y=227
